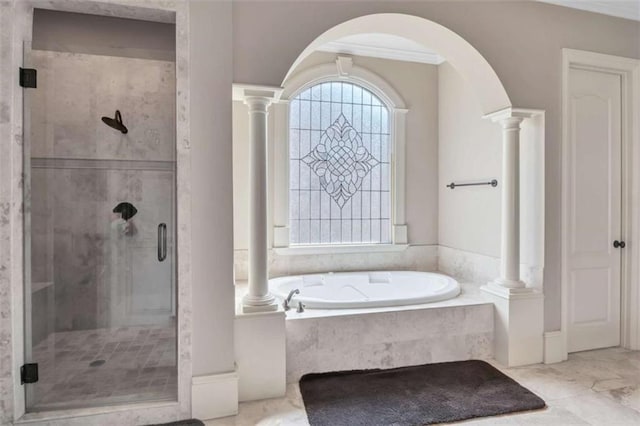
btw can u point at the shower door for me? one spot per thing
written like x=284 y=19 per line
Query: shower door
x=100 y=296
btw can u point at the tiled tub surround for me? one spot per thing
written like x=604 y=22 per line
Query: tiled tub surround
x=463 y=265
x=480 y=268
x=412 y=258
x=139 y=364
x=415 y=335
x=320 y=340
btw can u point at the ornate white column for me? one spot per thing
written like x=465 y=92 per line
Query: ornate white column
x=258 y=298
x=510 y=119
x=519 y=309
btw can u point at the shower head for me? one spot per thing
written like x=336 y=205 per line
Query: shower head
x=126 y=210
x=116 y=122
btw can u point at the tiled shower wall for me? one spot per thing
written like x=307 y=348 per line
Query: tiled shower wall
x=75 y=90
x=78 y=176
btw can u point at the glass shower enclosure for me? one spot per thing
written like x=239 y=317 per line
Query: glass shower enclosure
x=100 y=286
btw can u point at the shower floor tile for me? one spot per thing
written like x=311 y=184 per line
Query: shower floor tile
x=139 y=365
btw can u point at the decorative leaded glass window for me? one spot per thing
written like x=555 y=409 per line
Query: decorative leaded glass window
x=340 y=166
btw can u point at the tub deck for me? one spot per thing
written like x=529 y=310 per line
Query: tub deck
x=321 y=340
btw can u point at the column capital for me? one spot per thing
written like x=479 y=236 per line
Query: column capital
x=510 y=118
x=255 y=94
x=257 y=103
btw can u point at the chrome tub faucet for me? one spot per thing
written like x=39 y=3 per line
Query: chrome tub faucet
x=287 y=302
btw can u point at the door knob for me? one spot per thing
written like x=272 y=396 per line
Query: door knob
x=618 y=244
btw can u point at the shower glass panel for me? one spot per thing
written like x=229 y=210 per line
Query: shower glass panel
x=100 y=288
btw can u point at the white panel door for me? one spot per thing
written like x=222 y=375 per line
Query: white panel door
x=595 y=202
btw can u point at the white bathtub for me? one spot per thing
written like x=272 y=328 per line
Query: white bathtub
x=365 y=289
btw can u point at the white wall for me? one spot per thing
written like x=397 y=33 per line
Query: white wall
x=210 y=73
x=417 y=84
x=470 y=150
x=522 y=40
x=241 y=175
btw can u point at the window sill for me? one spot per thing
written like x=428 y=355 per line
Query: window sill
x=365 y=248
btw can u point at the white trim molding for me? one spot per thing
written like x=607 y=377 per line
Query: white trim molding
x=554 y=347
x=398 y=162
x=343 y=68
x=375 y=51
x=629 y=9
x=629 y=71
x=214 y=395
x=341 y=249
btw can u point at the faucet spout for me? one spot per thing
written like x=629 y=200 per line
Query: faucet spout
x=287 y=302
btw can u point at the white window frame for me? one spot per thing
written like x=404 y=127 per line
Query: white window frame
x=343 y=69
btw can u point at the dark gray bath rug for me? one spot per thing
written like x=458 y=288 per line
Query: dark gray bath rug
x=190 y=422
x=412 y=396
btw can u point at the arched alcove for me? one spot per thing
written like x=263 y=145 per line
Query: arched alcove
x=518 y=339
x=458 y=52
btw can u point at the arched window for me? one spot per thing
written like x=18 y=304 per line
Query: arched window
x=339 y=166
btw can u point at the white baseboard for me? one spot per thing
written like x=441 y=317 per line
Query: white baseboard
x=554 y=347
x=214 y=395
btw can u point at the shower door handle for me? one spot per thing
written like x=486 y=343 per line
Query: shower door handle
x=162 y=242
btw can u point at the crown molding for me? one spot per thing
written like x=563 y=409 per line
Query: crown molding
x=358 y=49
x=628 y=9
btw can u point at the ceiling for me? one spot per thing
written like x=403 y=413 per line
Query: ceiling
x=629 y=9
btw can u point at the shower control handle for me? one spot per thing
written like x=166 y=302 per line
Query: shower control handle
x=162 y=242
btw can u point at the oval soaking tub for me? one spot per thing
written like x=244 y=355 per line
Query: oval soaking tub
x=365 y=289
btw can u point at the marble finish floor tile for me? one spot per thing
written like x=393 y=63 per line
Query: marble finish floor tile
x=105 y=366
x=600 y=387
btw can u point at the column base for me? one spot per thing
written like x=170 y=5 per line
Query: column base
x=518 y=324
x=253 y=304
x=506 y=288
x=515 y=285
x=260 y=347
